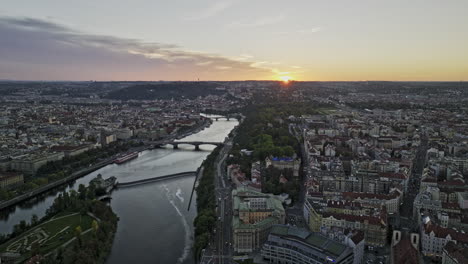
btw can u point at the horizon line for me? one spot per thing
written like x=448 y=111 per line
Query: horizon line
x=265 y=80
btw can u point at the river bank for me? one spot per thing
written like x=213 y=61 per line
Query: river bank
x=75 y=227
x=29 y=195
x=155 y=225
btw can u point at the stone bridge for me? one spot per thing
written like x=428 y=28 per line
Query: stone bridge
x=227 y=117
x=175 y=144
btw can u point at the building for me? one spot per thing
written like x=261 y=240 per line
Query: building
x=291 y=245
x=284 y=163
x=463 y=200
x=374 y=228
x=10 y=179
x=405 y=248
x=434 y=238
x=391 y=201
x=351 y=238
x=30 y=164
x=254 y=213
x=312 y=213
x=373 y=224
x=454 y=254
x=107 y=138
x=70 y=151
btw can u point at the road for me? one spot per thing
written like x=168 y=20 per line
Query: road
x=406 y=210
x=220 y=249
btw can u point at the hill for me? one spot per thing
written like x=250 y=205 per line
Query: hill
x=176 y=90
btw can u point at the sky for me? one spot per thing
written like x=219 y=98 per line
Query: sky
x=305 y=40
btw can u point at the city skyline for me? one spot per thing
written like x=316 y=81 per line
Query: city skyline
x=234 y=40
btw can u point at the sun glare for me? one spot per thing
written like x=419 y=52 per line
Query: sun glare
x=285 y=79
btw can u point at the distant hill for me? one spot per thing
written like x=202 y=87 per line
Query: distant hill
x=176 y=90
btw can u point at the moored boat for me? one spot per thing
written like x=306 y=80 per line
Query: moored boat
x=126 y=158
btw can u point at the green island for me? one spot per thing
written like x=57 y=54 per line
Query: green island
x=77 y=228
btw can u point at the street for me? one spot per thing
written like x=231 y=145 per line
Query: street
x=220 y=249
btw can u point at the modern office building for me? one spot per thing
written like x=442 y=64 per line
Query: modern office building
x=291 y=245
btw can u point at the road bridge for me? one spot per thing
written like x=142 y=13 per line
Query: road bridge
x=175 y=144
x=155 y=179
x=226 y=117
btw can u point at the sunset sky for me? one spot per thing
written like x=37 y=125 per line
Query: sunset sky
x=234 y=40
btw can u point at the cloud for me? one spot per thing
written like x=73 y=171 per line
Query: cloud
x=304 y=31
x=204 y=63
x=260 y=22
x=210 y=11
x=223 y=67
x=42 y=50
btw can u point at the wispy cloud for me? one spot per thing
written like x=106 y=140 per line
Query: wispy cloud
x=211 y=10
x=39 y=49
x=303 y=31
x=204 y=63
x=223 y=67
x=259 y=22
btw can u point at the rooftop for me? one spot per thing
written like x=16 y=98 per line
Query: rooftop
x=315 y=240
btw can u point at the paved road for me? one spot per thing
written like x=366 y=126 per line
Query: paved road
x=220 y=248
x=406 y=211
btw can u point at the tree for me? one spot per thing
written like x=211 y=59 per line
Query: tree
x=34 y=220
x=95 y=226
x=82 y=192
x=23 y=225
x=35 y=249
x=78 y=235
x=91 y=195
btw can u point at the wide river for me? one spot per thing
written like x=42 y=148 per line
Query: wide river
x=155 y=225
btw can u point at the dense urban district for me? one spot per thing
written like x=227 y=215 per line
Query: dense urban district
x=315 y=172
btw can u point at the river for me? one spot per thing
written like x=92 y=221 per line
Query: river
x=155 y=225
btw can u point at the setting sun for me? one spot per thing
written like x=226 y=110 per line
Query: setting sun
x=285 y=79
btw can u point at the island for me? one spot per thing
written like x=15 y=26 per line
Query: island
x=77 y=228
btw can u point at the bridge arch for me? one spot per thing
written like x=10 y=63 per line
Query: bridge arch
x=196 y=144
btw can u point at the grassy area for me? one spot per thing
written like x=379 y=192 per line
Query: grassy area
x=48 y=235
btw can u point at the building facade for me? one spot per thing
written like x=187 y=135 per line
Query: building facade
x=10 y=179
x=254 y=214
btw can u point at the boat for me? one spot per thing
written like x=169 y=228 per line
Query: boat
x=126 y=158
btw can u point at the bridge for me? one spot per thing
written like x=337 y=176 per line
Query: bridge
x=156 y=179
x=175 y=144
x=227 y=117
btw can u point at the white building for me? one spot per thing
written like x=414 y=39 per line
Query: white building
x=434 y=238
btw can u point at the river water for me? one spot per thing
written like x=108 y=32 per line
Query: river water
x=155 y=225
